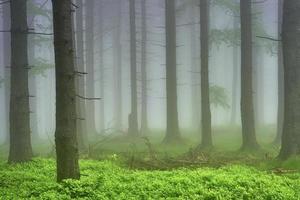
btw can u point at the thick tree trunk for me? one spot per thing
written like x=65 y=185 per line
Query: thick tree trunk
x=205 y=103
x=280 y=111
x=247 y=110
x=173 y=133
x=90 y=68
x=6 y=61
x=144 y=109
x=20 y=141
x=133 y=116
x=291 y=60
x=81 y=128
x=118 y=68
x=65 y=134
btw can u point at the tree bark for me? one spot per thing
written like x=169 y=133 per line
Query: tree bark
x=205 y=102
x=173 y=133
x=144 y=109
x=291 y=60
x=90 y=68
x=133 y=116
x=65 y=134
x=81 y=127
x=20 y=141
x=247 y=110
x=280 y=111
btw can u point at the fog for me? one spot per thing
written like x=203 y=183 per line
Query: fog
x=188 y=66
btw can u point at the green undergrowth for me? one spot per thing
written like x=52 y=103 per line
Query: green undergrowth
x=107 y=179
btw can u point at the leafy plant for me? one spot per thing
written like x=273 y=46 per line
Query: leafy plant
x=219 y=97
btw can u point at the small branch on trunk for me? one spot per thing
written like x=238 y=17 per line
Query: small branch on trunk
x=87 y=98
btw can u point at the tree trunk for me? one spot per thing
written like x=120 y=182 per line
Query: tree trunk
x=101 y=64
x=280 y=111
x=20 y=141
x=205 y=103
x=195 y=85
x=90 y=68
x=118 y=68
x=144 y=111
x=32 y=81
x=81 y=127
x=173 y=133
x=247 y=111
x=133 y=120
x=258 y=83
x=6 y=62
x=65 y=134
x=290 y=46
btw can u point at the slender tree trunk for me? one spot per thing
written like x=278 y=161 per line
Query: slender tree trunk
x=101 y=64
x=32 y=81
x=247 y=110
x=20 y=141
x=173 y=133
x=133 y=120
x=118 y=68
x=205 y=103
x=195 y=98
x=258 y=83
x=235 y=55
x=81 y=128
x=280 y=111
x=90 y=68
x=291 y=60
x=65 y=134
x=144 y=111
x=6 y=59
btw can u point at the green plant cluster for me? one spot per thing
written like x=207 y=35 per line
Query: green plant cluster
x=107 y=180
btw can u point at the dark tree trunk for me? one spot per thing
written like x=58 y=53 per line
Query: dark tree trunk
x=280 y=111
x=90 y=68
x=247 y=110
x=144 y=110
x=205 y=103
x=173 y=133
x=20 y=141
x=133 y=120
x=118 y=68
x=81 y=127
x=291 y=60
x=235 y=55
x=6 y=61
x=65 y=134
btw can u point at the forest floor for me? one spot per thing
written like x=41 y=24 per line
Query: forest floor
x=122 y=168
